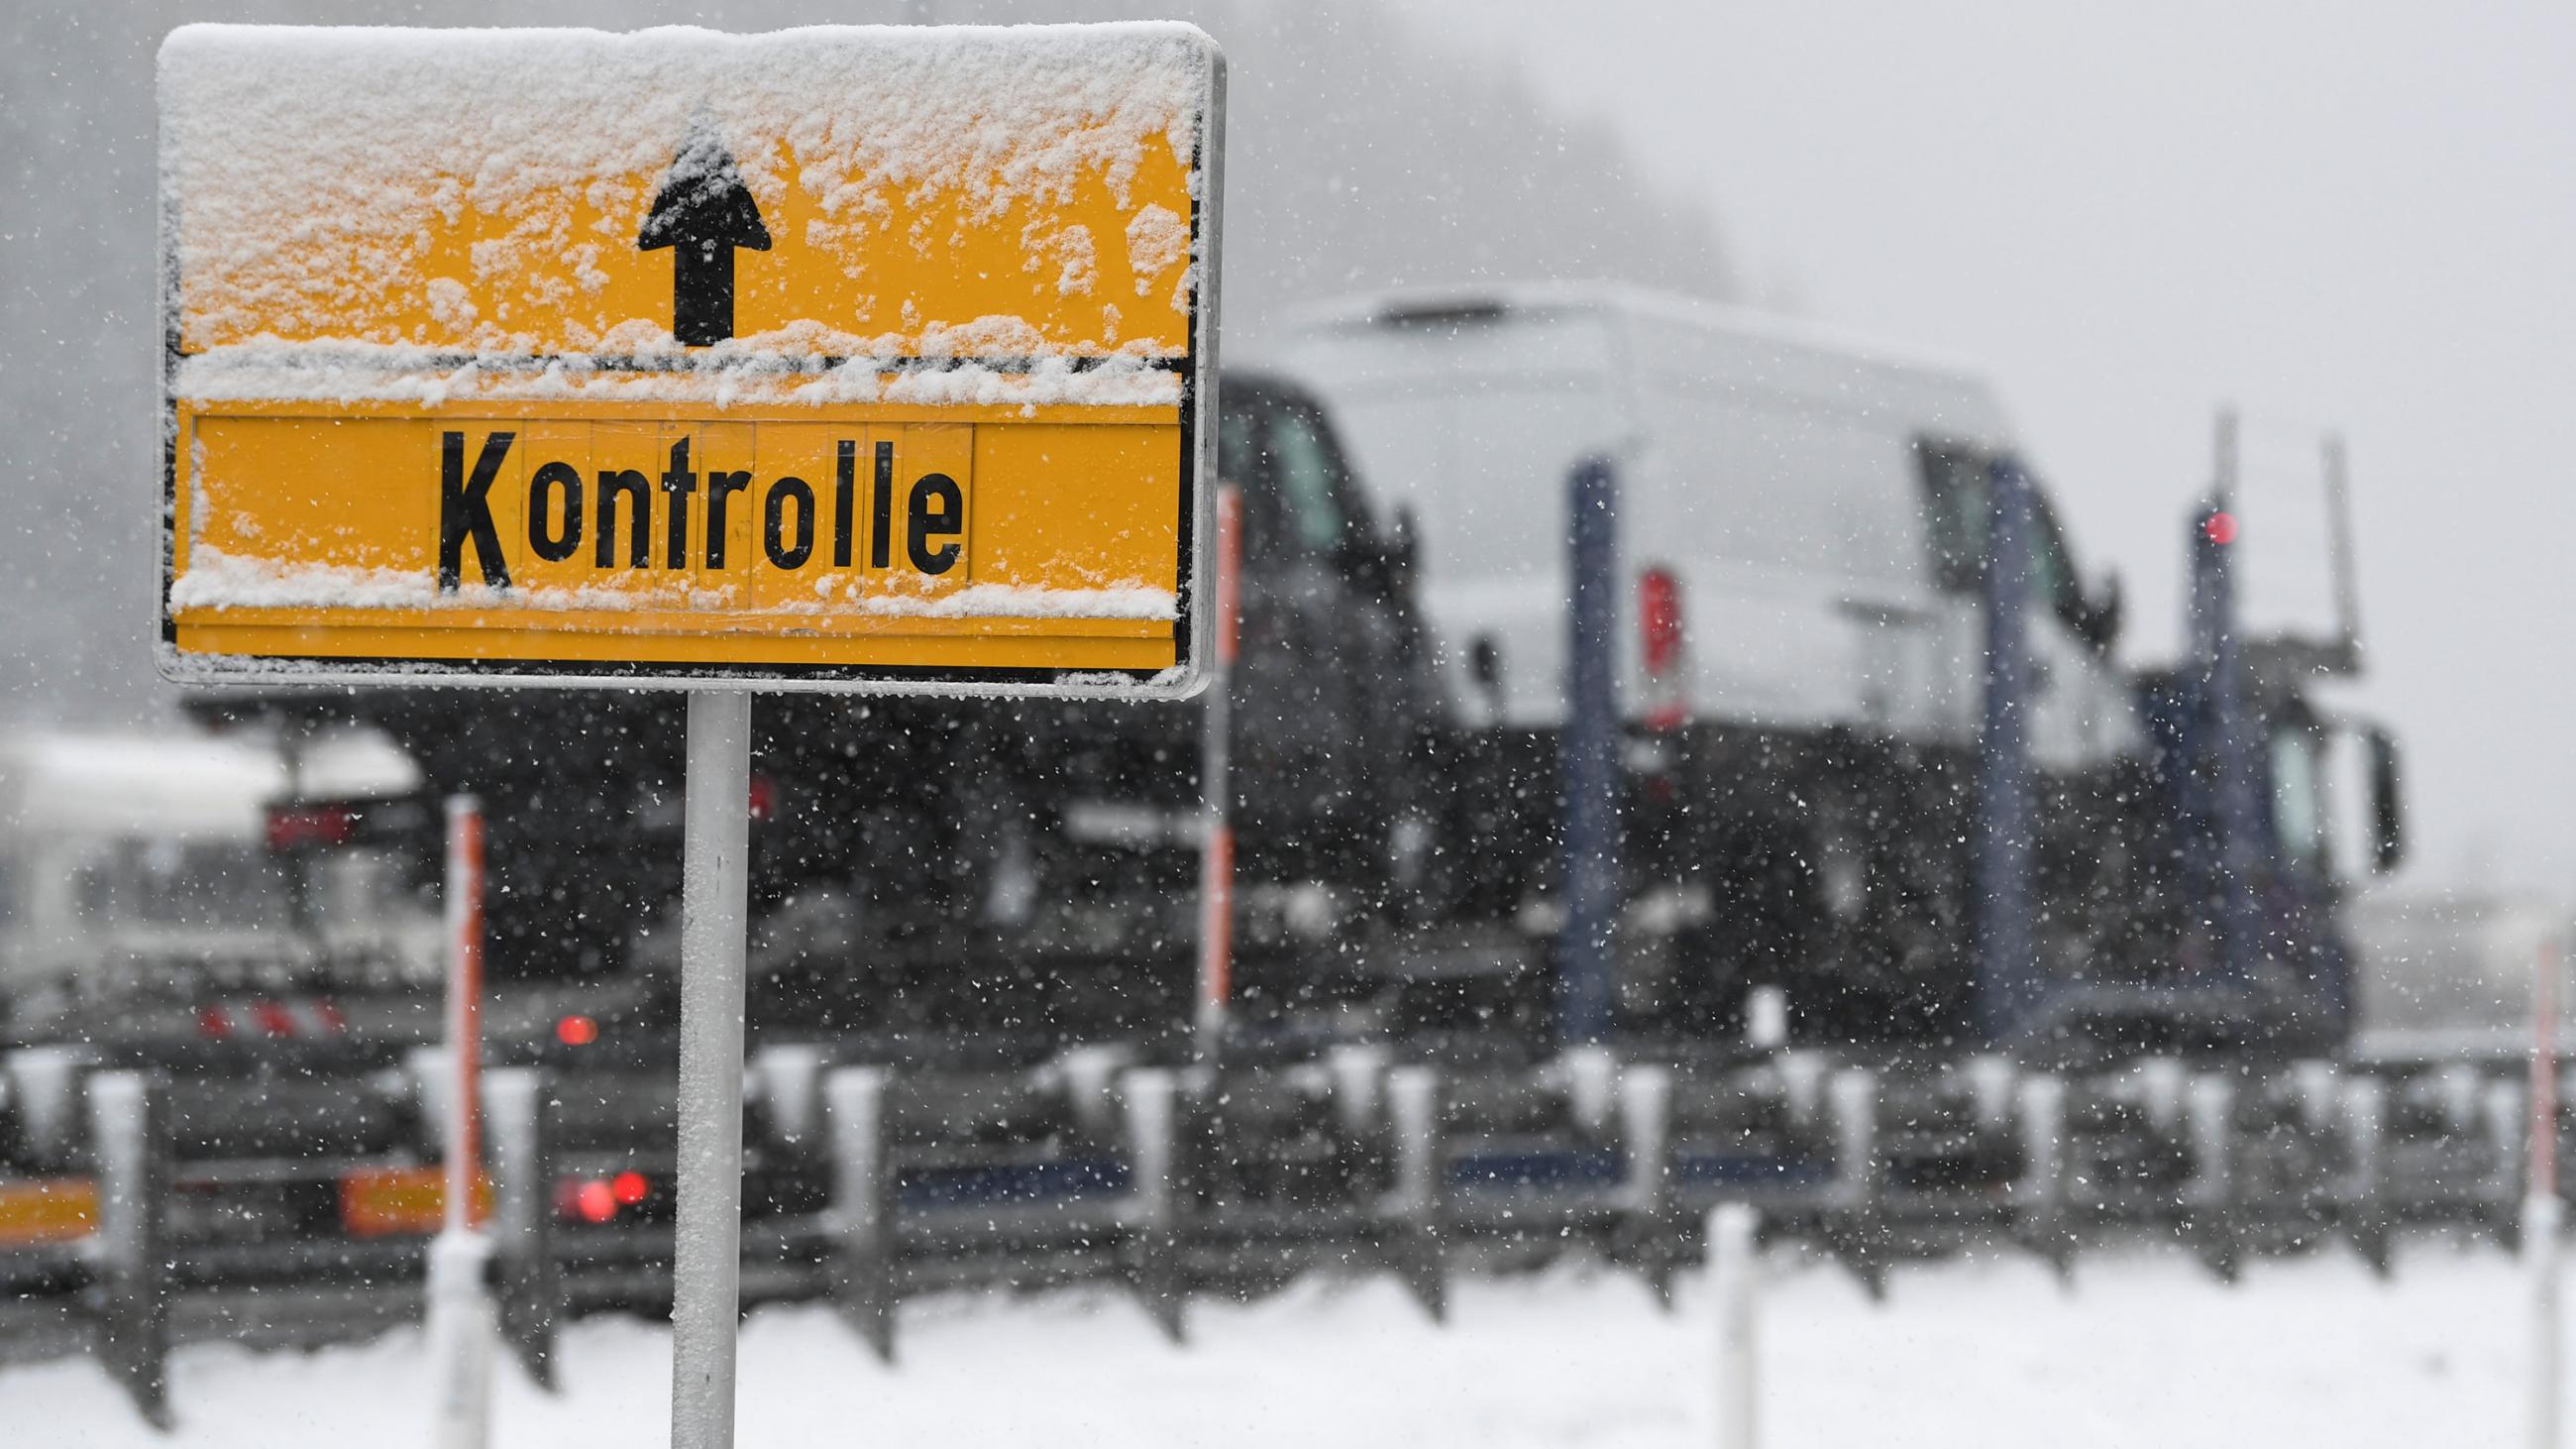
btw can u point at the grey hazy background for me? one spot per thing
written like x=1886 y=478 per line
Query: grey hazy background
x=2329 y=214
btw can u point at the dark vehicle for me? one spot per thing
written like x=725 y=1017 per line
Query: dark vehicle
x=1823 y=739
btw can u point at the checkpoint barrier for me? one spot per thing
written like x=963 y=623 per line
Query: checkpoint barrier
x=223 y=1209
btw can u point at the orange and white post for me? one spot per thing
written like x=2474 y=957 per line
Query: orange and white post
x=462 y=1321
x=1216 y=847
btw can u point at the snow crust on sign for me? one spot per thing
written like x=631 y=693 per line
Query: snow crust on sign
x=732 y=374
x=218 y=580
x=276 y=136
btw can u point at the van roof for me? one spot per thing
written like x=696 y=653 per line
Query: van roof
x=1496 y=301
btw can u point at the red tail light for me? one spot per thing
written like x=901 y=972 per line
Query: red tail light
x=1659 y=619
x=600 y=1199
x=294 y=827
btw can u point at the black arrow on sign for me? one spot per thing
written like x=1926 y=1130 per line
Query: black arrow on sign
x=702 y=212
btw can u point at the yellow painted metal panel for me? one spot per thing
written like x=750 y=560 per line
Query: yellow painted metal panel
x=839 y=356
x=840 y=540
x=384 y=1201
x=47 y=1210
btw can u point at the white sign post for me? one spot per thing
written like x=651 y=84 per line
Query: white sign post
x=706 y=1264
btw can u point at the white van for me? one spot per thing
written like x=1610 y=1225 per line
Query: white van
x=1813 y=510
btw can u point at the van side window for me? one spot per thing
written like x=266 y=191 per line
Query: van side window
x=1955 y=515
x=2052 y=576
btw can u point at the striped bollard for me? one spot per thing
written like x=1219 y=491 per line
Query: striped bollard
x=1216 y=853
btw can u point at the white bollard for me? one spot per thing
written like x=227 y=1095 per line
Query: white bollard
x=1735 y=1266
x=2540 y=1205
x=462 y=1327
x=2540 y=1265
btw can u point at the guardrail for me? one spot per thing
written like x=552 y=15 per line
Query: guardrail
x=136 y=1211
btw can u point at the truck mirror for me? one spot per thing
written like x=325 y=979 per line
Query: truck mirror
x=1403 y=544
x=1485 y=666
x=1378 y=564
x=2103 y=615
x=2387 y=804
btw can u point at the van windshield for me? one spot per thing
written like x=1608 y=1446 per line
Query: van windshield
x=166 y=883
x=1957 y=501
x=1281 y=459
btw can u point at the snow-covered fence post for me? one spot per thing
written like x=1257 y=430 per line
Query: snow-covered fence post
x=1735 y=1266
x=2041 y=1216
x=2540 y=1204
x=1158 y=1178
x=461 y=1318
x=129 y=1131
x=523 y=1215
x=1851 y=1215
x=2209 y=1194
x=1645 y=1142
x=858 y=1103
x=44 y=1089
x=2364 y=1121
x=1413 y=1110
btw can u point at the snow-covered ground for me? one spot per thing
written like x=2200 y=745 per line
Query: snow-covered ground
x=2144 y=1349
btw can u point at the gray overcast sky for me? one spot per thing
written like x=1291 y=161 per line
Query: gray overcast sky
x=2348 y=215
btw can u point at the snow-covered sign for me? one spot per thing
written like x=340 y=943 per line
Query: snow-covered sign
x=841 y=357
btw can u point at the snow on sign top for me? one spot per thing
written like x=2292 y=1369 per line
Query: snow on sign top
x=840 y=357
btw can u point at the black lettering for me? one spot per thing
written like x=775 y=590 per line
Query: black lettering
x=465 y=510
x=638 y=492
x=542 y=540
x=881 y=510
x=774 y=541
x=720 y=486
x=844 y=478
x=925 y=521
x=678 y=483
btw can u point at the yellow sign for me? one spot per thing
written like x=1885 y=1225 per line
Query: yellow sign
x=848 y=358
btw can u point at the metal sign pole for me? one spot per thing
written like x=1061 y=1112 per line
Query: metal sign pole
x=706 y=1268
x=1589 y=767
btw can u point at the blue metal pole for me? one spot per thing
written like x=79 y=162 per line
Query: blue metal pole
x=2007 y=971
x=2222 y=760
x=1590 y=758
